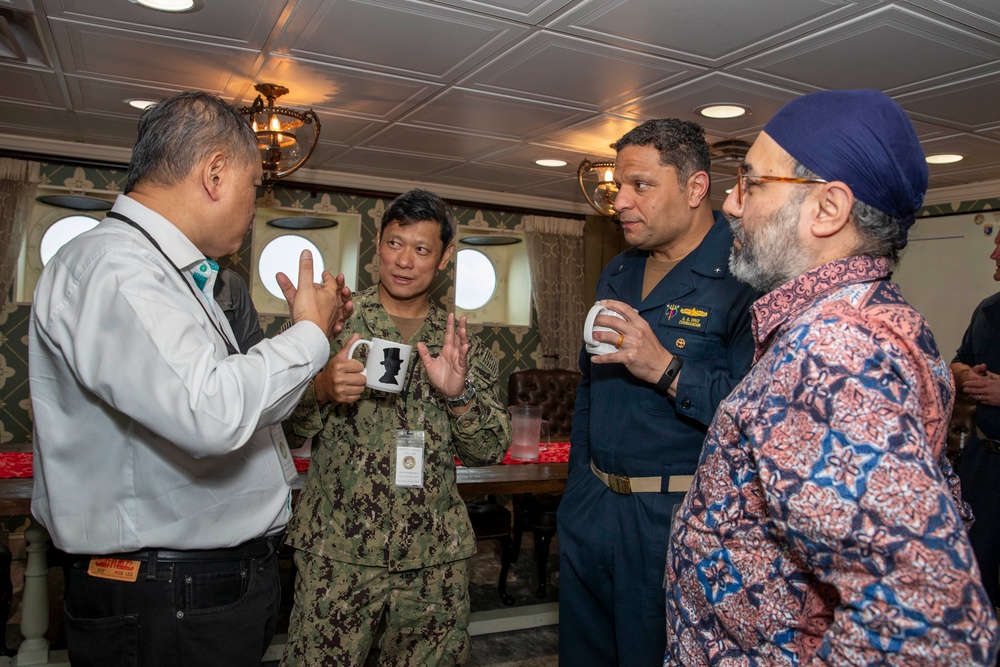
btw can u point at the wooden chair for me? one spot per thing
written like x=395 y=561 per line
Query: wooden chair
x=492 y=521
x=555 y=391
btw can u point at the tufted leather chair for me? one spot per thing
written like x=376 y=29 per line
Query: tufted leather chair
x=555 y=391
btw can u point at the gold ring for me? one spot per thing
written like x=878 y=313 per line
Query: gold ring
x=621 y=337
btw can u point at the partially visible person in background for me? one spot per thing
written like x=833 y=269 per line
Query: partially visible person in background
x=976 y=366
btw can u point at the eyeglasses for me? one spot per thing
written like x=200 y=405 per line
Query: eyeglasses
x=743 y=178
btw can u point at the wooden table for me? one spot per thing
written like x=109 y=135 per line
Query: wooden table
x=512 y=479
x=15 y=500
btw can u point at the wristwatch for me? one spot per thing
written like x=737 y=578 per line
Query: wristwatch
x=464 y=397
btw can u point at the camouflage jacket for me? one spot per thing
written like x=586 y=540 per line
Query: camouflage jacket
x=350 y=509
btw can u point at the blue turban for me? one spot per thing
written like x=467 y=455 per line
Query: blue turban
x=860 y=137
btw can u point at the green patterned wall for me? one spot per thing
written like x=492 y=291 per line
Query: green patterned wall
x=515 y=347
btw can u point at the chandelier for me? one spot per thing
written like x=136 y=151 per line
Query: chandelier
x=603 y=198
x=284 y=141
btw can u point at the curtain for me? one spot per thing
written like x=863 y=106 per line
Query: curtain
x=18 y=184
x=555 y=254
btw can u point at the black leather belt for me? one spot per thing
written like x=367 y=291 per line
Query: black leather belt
x=258 y=548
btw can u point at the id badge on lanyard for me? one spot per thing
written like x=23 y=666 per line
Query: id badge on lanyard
x=284 y=454
x=409 y=458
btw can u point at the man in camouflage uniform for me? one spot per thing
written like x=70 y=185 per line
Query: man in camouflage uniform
x=368 y=547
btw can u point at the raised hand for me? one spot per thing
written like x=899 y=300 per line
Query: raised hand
x=447 y=370
x=328 y=305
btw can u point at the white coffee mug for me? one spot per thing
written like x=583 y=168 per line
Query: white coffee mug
x=595 y=346
x=387 y=364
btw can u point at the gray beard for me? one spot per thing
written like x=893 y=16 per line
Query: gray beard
x=772 y=256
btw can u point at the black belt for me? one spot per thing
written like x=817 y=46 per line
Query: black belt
x=258 y=548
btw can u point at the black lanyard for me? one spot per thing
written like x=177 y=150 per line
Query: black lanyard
x=230 y=348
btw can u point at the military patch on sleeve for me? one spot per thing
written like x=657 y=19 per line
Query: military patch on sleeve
x=490 y=362
x=686 y=316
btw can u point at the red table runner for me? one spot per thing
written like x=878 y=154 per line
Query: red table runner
x=552 y=452
x=15 y=464
x=18 y=464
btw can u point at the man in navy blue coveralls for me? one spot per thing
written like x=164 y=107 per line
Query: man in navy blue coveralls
x=976 y=367
x=642 y=412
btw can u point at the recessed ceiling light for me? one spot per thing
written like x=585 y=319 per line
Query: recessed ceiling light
x=723 y=110
x=944 y=158
x=140 y=104
x=170 y=5
x=550 y=163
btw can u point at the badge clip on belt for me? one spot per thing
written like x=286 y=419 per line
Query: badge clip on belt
x=628 y=485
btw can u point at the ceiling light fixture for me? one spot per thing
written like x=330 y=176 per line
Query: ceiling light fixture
x=944 y=158
x=278 y=131
x=170 y=5
x=140 y=104
x=603 y=200
x=723 y=110
x=550 y=162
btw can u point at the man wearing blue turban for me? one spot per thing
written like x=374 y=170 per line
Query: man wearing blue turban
x=824 y=524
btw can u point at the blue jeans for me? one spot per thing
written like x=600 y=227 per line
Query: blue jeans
x=183 y=614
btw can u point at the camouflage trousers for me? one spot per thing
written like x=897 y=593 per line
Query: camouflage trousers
x=338 y=607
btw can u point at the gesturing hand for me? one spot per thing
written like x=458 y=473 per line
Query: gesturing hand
x=447 y=370
x=328 y=305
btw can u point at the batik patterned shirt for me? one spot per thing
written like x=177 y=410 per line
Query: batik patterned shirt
x=822 y=525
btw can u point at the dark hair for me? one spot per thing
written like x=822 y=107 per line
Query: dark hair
x=880 y=234
x=419 y=205
x=181 y=130
x=681 y=144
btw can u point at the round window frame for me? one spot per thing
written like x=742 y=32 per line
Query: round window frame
x=55 y=227
x=267 y=278
x=459 y=281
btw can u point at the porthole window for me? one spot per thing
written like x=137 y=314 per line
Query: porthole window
x=475 y=279
x=61 y=232
x=282 y=254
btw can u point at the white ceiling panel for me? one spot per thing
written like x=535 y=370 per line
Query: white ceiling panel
x=444 y=42
x=28 y=84
x=700 y=31
x=130 y=56
x=491 y=114
x=455 y=145
x=969 y=104
x=215 y=23
x=683 y=100
x=344 y=89
x=470 y=92
x=527 y=11
x=563 y=70
x=889 y=49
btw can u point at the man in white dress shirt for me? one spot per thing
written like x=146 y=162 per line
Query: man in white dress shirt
x=160 y=464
